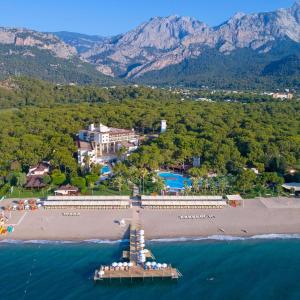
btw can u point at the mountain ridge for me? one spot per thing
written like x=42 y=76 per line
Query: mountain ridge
x=156 y=47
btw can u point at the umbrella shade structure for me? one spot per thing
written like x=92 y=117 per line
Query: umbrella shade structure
x=114 y=264
x=120 y=264
x=148 y=263
x=159 y=265
x=125 y=264
x=130 y=264
x=153 y=263
x=10 y=229
x=164 y=265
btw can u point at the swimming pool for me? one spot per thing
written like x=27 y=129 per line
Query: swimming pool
x=174 y=181
x=105 y=170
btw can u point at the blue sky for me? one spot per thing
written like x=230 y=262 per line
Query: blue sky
x=111 y=17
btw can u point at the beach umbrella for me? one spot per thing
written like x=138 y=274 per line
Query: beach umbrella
x=148 y=263
x=153 y=263
x=130 y=264
x=159 y=265
x=164 y=265
x=120 y=264
x=114 y=264
x=125 y=264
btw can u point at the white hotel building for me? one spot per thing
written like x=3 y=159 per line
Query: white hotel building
x=101 y=143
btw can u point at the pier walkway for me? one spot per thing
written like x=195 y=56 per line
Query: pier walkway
x=138 y=262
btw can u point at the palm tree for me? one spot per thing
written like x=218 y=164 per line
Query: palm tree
x=144 y=172
x=205 y=184
x=187 y=188
x=212 y=186
x=195 y=184
x=118 y=183
x=222 y=184
x=158 y=182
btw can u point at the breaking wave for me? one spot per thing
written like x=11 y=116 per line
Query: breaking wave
x=272 y=236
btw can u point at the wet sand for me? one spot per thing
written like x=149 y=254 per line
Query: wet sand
x=257 y=217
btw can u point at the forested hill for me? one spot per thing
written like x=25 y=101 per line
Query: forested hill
x=240 y=69
x=42 y=64
x=24 y=91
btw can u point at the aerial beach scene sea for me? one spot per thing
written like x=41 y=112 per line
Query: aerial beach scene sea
x=150 y=150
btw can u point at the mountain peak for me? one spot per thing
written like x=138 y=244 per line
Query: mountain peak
x=238 y=15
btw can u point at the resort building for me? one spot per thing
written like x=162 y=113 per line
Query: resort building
x=283 y=96
x=235 y=200
x=34 y=177
x=87 y=202
x=163 y=126
x=292 y=187
x=183 y=202
x=40 y=169
x=101 y=143
x=66 y=190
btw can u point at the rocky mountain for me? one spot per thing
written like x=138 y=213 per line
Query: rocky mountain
x=164 y=50
x=31 y=38
x=82 y=42
x=162 y=42
x=242 y=68
x=46 y=56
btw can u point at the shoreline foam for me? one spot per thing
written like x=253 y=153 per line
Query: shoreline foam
x=225 y=238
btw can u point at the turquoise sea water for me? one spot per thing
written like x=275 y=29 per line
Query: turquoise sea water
x=244 y=269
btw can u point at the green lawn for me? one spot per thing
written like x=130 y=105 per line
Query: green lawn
x=25 y=193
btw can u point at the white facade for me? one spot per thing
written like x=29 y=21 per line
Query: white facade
x=163 y=126
x=104 y=143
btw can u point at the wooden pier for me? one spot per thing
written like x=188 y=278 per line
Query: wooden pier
x=137 y=264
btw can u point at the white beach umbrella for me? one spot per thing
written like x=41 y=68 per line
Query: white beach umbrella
x=153 y=263
x=125 y=264
x=120 y=264
x=114 y=264
x=130 y=264
x=148 y=263
x=159 y=265
x=164 y=265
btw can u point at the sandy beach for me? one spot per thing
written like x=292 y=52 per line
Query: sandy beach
x=257 y=217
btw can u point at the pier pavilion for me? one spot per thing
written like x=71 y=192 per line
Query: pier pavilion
x=136 y=264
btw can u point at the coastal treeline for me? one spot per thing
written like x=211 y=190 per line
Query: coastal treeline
x=229 y=139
